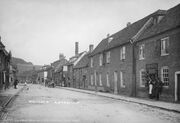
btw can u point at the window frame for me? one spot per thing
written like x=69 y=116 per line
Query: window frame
x=101 y=59
x=108 y=56
x=122 y=82
x=141 y=51
x=91 y=62
x=92 y=79
x=100 y=79
x=107 y=80
x=141 y=78
x=123 y=53
x=163 y=76
x=163 y=51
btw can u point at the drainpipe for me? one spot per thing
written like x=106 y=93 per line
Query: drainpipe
x=133 y=93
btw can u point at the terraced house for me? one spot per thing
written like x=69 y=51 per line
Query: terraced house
x=81 y=70
x=151 y=45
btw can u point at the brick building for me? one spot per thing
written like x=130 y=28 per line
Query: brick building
x=81 y=70
x=157 y=52
x=73 y=61
x=151 y=45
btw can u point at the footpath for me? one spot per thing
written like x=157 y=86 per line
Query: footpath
x=169 y=106
x=7 y=95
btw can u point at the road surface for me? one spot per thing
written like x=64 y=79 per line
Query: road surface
x=41 y=104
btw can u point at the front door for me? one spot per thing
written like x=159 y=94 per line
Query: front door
x=152 y=69
x=115 y=83
x=178 y=87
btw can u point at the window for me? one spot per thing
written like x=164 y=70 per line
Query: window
x=100 y=80
x=91 y=79
x=108 y=57
x=165 y=75
x=164 y=46
x=107 y=78
x=101 y=59
x=122 y=53
x=122 y=80
x=141 y=52
x=95 y=79
x=142 y=77
x=91 y=62
x=110 y=39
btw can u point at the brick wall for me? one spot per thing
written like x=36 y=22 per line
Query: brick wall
x=153 y=55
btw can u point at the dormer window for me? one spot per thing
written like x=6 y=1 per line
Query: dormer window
x=110 y=39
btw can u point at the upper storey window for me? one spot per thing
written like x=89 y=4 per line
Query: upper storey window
x=108 y=57
x=165 y=46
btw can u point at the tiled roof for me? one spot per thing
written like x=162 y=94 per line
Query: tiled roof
x=171 y=20
x=122 y=36
x=62 y=62
x=74 y=58
x=83 y=62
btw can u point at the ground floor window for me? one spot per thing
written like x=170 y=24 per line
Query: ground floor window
x=100 y=79
x=165 y=75
x=91 y=79
x=107 y=79
x=142 y=77
x=122 y=82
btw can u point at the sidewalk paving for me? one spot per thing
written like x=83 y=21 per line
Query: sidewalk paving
x=7 y=95
x=174 y=107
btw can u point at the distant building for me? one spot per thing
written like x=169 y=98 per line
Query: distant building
x=73 y=61
x=81 y=71
x=5 y=58
x=58 y=74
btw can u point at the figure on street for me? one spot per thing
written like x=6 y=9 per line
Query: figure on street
x=15 y=84
x=157 y=88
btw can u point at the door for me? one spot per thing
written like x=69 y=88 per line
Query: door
x=178 y=87
x=152 y=69
x=115 y=83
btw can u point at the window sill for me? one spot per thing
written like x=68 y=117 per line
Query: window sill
x=164 y=54
x=141 y=58
x=123 y=60
x=142 y=86
x=166 y=87
x=123 y=86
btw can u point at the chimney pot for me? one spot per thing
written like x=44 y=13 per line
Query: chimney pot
x=76 y=48
x=128 y=24
x=91 y=47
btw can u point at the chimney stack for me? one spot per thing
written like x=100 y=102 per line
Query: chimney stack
x=128 y=24
x=76 y=48
x=91 y=47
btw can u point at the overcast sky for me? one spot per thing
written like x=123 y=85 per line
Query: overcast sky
x=38 y=30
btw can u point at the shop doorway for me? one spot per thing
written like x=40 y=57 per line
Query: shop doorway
x=152 y=69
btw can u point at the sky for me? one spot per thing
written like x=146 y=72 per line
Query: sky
x=38 y=30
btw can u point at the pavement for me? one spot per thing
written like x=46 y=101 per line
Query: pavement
x=7 y=95
x=169 y=106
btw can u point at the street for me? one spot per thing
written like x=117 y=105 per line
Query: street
x=37 y=103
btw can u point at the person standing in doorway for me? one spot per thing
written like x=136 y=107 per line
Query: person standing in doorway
x=158 y=88
x=150 y=83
